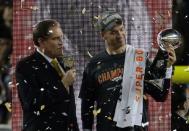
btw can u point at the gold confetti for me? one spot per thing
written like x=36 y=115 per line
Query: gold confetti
x=97 y=17
x=96 y=112
x=109 y=118
x=8 y=106
x=42 y=107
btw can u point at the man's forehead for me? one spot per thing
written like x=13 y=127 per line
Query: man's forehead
x=55 y=31
x=117 y=27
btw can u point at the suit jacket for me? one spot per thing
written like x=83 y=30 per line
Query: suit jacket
x=45 y=101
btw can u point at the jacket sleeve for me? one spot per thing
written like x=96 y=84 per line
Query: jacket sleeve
x=33 y=97
x=87 y=95
x=73 y=110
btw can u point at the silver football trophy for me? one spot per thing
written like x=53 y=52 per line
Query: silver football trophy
x=169 y=37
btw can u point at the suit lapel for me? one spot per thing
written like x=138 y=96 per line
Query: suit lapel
x=47 y=67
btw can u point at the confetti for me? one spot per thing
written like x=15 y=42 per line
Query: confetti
x=46 y=66
x=8 y=106
x=25 y=81
x=98 y=63
x=96 y=112
x=34 y=8
x=176 y=11
x=81 y=32
x=29 y=48
x=42 y=89
x=48 y=128
x=97 y=17
x=109 y=118
x=89 y=54
x=42 y=107
x=55 y=87
x=145 y=124
x=36 y=113
x=160 y=118
x=10 y=83
x=169 y=14
x=83 y=11
x=64 y=113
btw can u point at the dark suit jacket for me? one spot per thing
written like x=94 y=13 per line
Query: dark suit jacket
x=45 y=102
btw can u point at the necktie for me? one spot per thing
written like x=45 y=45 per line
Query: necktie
x=57 y=67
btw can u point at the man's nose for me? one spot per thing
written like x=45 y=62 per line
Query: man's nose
x=61 y=41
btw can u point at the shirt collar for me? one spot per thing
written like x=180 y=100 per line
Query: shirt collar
x=45 y=56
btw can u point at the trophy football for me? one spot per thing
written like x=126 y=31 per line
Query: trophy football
x=169 y=37
x=165 y=38
x=69 y=61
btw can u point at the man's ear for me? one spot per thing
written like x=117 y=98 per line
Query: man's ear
x=40 y=41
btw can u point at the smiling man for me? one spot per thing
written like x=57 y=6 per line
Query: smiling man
x=119 y=96
x=44 y=86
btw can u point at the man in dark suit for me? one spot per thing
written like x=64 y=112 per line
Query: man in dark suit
x=45 y=92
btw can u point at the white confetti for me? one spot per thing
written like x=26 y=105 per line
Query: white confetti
x=8 y=106
x=42 y=89
x=29 y=48
x=42 y=107
x=145 y=124
x=25 y=81
x=83 y=11
x=64 y=113
x=55 y=87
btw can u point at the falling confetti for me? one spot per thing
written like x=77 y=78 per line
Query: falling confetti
x=176 y=11
x=160 y=118
x=8 y=106
x=37 y=113
x=10 y=83
x=25 y=81
x=55 y=87
x=96 y=112
x=29 y=48
x=64 y=114
x=83 y=11
x=42 y=107
x=169 y=14
x=89 y=54
x=48 y=128
x=145 y=124
x=97 y=17
x=81 y=31
x=42 y=89
x=109 y=118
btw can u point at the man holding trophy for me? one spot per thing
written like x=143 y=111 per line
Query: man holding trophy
x=116 y=80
